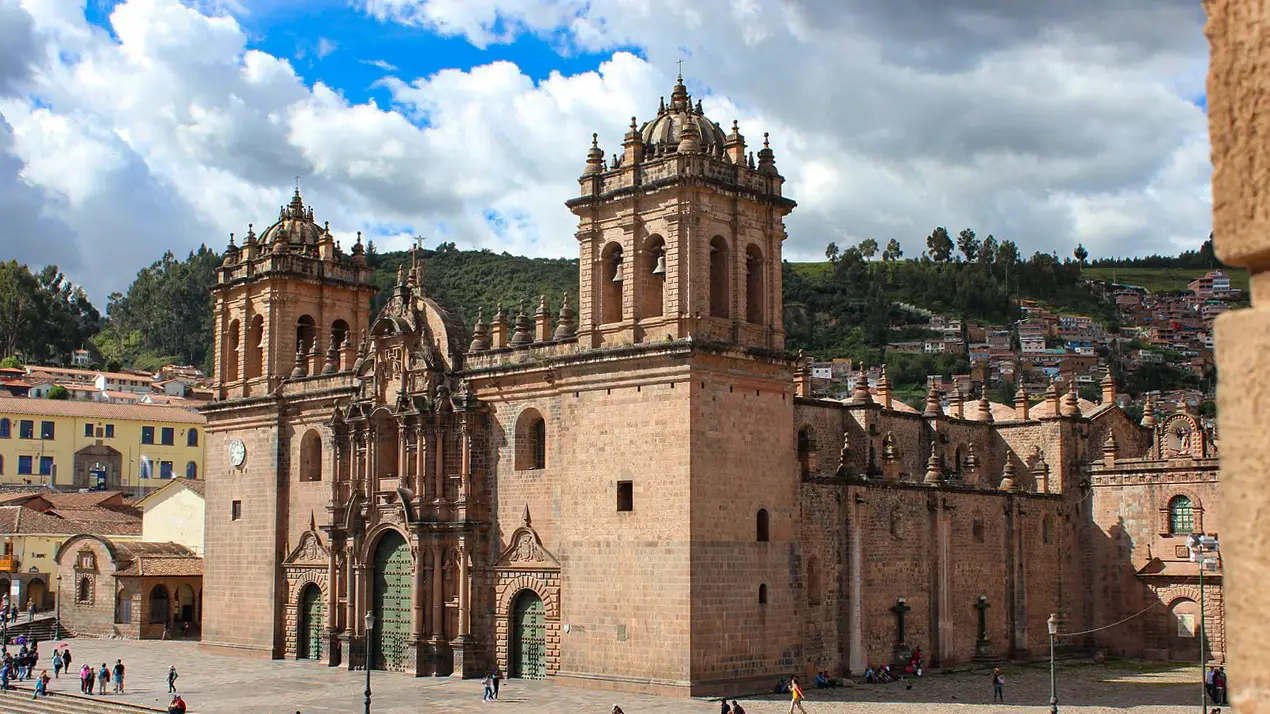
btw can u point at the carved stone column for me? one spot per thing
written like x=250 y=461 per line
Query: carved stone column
x=421 y=462
x=465 y=449
x=439 y=447
x=461 y=642
x=403 y=454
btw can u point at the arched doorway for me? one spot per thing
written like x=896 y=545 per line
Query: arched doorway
x=308 y=640
x=35 y=592
x=185 y=603
x=160 y=605
x=391 y=601
x=528 y=654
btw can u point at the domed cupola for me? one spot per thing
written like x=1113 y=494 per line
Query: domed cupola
x=664 y=132
x=295 y=225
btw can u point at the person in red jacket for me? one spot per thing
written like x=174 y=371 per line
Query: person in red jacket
x=177 y=706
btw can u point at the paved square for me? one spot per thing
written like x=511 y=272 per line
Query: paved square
x=215 y=683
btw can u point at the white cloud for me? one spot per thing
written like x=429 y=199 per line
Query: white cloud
x=1060 y=125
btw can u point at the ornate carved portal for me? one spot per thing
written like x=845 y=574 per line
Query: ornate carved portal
x=527 y=617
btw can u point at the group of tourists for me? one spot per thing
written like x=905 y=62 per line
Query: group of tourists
x=1215 y=684
x=103 y=676
x=735 y=708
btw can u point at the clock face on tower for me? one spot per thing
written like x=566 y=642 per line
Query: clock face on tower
x=237 y=453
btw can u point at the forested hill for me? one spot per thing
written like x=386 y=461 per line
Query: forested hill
x=848 y=306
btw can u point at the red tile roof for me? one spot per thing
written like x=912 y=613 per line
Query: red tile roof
x=98 y=410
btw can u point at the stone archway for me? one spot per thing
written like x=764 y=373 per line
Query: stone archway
x=36 y=592
x=391 y=601
x=527 y=649
x=98 y=466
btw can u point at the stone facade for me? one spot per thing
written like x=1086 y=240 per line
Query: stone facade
x=636 y=495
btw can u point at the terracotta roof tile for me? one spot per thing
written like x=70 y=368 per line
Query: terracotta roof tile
x=194 y=485
x=98 y=410
x=87 y=499
x=18 y=520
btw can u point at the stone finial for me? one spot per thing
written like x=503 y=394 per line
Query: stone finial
x=1110 y=449
x=480 y=333
x=524 y=333
x=1007 y=476
x=734 y=145
x=957 y=403
x=984 y=412
x=1021 y=403
x=689 y=142
x=1041 y=473
x=542 y=321
x=594 y=157
x=860 y=394
x=363 y=350
x=1108 y=388
x=524 y=518
x=766 y=157
x=934 y=475
x=1148 y=411
x=332 y=364
x=933 y=409
x=802 y=375
x=566 y=326
x=884 y=388
x=970 y=473
x=1071 y=403
x=301 y=363
x=1051 y=397
x=401 y=275
x=632 y=145
x=498 y=328
x=890 y=458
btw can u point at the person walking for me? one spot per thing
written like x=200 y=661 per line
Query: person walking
x=66 y=659
x=736 y=708
x=118 y=676
x=86 y=679
x=42 y=685
x=57 y=664
x=795 y=696
x=103 y=678
x=172 y=675
x=495 y=678
x=488 y=695
x=998 y=686
x=30 y=611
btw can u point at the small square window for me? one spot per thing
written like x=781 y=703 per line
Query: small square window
x=88 y=430
x=1181 y=552
x=236 y=510
x=625 y=496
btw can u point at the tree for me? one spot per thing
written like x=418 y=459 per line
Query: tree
x=10 y=362
x=988 y=251
x=939 y=245
x=868 y=248
x=58 y=392
x=1080 y=254
x=832 y=252
x=892 y=252
x=968 y=244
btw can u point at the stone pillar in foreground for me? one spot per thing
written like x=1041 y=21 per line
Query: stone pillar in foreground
x=1239 y=128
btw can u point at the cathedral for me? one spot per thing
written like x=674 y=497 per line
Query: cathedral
x=640 y=493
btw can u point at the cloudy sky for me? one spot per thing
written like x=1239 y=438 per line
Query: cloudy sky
x=130 y=127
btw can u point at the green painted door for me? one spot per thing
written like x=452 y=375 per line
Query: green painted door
x=529 y=638
x=391 y=600
x=309 y=637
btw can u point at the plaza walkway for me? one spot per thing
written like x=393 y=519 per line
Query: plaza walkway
x=215 y=683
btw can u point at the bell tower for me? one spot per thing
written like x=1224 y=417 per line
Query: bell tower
x=288 y=303
x=680 y=235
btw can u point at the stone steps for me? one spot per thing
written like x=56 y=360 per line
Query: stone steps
x=19 y=701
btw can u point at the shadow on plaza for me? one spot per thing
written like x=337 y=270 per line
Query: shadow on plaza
x=1108 y=685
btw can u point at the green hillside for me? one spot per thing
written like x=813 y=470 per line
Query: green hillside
x=1159 y=280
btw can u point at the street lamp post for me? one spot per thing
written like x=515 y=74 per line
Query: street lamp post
x=1200 y=546
x=1052 y=623
x=370 y=643
x=57 y=623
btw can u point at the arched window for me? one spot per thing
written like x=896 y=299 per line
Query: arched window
x=339 y=331
x=654 y=276
x=1181 y=515
x=763 y=526
x=755 y=295
x=256 y=347
x=531 y=440
x=191 y=437
x=231 y=356
x=160 y=605
x=311 y=456
x=762 y=594
x=305 y=333
x=813 y=580
x=611 y=280
x=4 y=428
x=1045 y=530
x=1185 y=612
x=805 y=451
x=85 y=593
x=720 y=275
